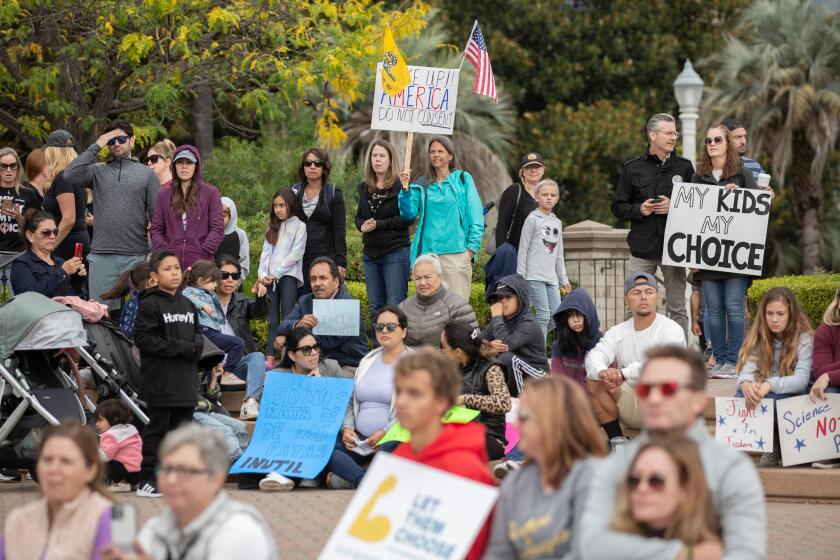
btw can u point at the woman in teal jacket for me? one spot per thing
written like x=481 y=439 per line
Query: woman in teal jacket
x=450 y=218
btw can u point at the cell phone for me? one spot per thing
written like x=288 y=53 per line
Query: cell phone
x=657 y=200
x=125 y=523
x=77 y=251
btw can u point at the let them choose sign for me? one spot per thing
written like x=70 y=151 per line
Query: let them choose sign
x=426 y=105
x=711 y=229
x=809 y=431
x=406 y=510
x=744 y=429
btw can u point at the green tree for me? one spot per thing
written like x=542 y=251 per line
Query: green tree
x=780 y=73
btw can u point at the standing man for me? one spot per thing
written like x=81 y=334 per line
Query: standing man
x=124 y=193
x=739 y=138
x=643 y=197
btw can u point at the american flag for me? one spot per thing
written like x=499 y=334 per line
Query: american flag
x=476 y=53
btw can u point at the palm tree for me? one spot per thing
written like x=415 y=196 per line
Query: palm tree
x=780 y=74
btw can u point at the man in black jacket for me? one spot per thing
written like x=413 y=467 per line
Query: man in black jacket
x=643 y=197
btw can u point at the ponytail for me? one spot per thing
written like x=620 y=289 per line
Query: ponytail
x=206 y=270
x=134 y=279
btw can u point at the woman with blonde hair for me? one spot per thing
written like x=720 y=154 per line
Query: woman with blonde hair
x=159 y=160
x=540 y=505
x=15 y=200
x=66 y=201
x=665 y=495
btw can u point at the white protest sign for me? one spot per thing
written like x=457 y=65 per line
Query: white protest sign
x=711 y=229
x=426 y=105
x=405 y=510
x=743 y=429
x=336 y=317
x=809 y=431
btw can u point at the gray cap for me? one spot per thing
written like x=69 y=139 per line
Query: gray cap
x=185 y=154
x=639 y=279
x=59 y=139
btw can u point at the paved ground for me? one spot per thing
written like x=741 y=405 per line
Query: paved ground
x=302 y=520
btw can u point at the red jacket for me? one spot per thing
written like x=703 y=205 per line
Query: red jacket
x=826 y=357
x=460 y=449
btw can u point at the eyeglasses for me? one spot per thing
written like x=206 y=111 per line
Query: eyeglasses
x=385 y=327
x=307 y=350
x=48 y=233
x=311 y=162
x=118 y=140
x=8 y=166
x=671 y=134
x=234 y=275
x=667 y=388
x=715 y=140
x=179 y=472
x=655 y=482
x=153 y=159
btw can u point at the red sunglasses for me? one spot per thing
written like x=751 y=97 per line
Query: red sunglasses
x=667 y=388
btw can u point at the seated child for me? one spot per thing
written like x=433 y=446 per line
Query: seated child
x=120 y=446
x=210 y=413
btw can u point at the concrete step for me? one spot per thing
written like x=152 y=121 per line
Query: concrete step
x=802 y=483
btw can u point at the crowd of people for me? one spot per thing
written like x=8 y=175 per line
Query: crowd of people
x=161 y=248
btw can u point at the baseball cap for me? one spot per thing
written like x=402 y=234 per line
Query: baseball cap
x=531 y=158
x=503 y=290
x=634 y=280
x=186 y=154
x=59 y=139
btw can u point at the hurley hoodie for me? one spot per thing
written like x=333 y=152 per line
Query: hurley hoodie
x=521 y=332
x=205 y=223
x=569 y=360
x=460 y=450
x=167 y=334
x=235 y=242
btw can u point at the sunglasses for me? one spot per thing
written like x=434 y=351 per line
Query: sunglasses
x=307 y=350
x=8 y=166
x=234 y=275
x=153 y=159
x=385 y=327
x=311 y=162
x=48 y=233
x=655 y=482
x=118 y=140
x=715 y=140
x=667 y=388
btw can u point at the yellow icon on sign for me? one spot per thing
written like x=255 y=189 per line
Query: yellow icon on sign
x=373 y=529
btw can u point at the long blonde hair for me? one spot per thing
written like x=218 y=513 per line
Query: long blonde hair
x=57 y=159
x=758 y=346
x=831 y=317
x=19 y=176
x=695 y=520
x=567 y=423
x=393 y=172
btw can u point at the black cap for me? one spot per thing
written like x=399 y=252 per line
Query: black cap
x=531 y=158
x=60 y=139
x=503 y=290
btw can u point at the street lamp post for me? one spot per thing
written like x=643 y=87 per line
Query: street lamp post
x=688 y=89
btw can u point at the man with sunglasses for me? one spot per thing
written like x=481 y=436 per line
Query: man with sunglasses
x=643 y=197
x=124 y=194
x=672 y=393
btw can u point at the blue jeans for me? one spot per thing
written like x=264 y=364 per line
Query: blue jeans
x=772 y=395
x=386 y=278
x=233 y=430
x=833 y=389
x=232 y=346
x=724 y=317
x=546 y=299
x=346 y=464
x=252 y=370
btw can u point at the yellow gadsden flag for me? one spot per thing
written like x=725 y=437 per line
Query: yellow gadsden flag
x=395 y=76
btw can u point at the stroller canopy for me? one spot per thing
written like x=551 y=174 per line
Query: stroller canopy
x=31 y=321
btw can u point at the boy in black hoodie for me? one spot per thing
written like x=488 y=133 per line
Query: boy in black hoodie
x=167 y=333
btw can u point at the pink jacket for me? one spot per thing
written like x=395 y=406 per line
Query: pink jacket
x=122 y=443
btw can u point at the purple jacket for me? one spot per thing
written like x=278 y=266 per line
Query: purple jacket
x=205 y=227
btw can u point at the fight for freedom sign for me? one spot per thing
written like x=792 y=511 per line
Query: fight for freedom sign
x=426 y=105
x=809 y=431
x=711 y=229
x=742 y=428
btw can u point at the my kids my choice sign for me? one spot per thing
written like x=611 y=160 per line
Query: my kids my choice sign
x=426 y=105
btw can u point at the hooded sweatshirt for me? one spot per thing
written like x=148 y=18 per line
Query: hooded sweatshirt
x=459 y=450
x=166 y=332
x=122 y=443
x=205 y=223
x=570 y=361
x=540 y=255
x=124 y=196
x=521 y=332
x=235 y=242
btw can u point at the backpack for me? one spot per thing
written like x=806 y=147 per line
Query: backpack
x=329 y=194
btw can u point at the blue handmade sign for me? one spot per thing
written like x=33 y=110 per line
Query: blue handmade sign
x=297 y=426
x=336 y=317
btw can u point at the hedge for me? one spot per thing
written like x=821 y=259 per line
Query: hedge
x=814 y=292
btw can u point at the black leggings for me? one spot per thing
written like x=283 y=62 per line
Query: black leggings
x=116 y=472
x=282 y=297
x=495 y=450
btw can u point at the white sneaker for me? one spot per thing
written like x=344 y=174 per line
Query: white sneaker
x=309 y=483
x=276 y=482
x=148 y=490
x=119 y=488
x=335 y=482
x=726 y=371
x=250 y=409
x=230 y=380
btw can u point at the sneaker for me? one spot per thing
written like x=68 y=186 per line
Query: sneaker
x=250 y=409
x=230 y=380
x=725 y=371
x=119 y=488
x=772 y=459
x=335 y=482
x=309 y=483
x=9 y=475
x=504 y=468
x=826 y=464
x=276 y=482
x=148 y=490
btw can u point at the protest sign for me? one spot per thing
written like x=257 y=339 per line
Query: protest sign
x=336 y=317
x=455 y=415
x=297 y=426
x=809 y=431
x=426 y=105
x=711 y=229
x=405 y=510
x=743 y=429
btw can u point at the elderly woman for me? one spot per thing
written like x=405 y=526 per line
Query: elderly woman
x=434 y=305
x=202 y=522
x=73 y=518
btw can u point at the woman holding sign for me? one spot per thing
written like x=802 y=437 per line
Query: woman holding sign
x=826 y=364
x=450 y=217
x=723 y=292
